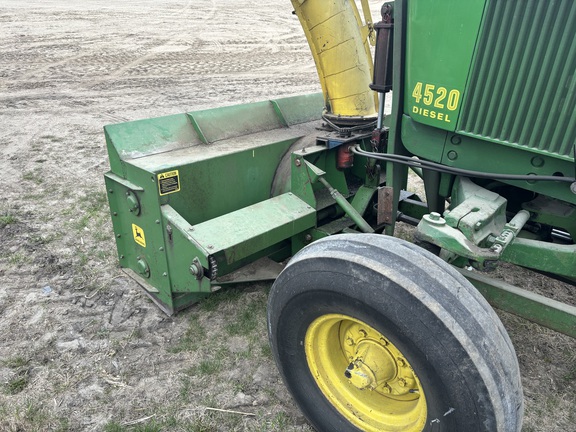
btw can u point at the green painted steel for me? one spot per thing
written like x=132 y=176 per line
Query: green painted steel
x=211 y=171
x=126 y=141
x=183 y=251
x=476 y=228
x=243 y=232
x=475 y=211
x=348 y=208
x=462 y=151
x=466 y=152
x=534 y=307
x=215 y=124
x=423 y=140
x=553 y=258
x=363 y=198
x=440 y=41
x=522 y=90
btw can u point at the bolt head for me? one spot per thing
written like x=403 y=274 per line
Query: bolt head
x=456 y=140
x=452 y=155
x=434 y=219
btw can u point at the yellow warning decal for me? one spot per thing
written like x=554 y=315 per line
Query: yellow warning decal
x=139 y=236
x=168 y=182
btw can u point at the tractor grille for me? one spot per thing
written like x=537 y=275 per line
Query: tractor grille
x=522 y=87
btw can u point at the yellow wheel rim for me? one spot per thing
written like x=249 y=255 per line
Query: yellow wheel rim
x=364 y=376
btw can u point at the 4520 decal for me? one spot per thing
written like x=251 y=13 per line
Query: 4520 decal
x=430 y=99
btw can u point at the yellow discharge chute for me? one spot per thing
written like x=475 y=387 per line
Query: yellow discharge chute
x=339 y=42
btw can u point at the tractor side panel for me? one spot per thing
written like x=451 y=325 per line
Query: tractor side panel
x=522 y=89
x=440 y=41
x=490 y=86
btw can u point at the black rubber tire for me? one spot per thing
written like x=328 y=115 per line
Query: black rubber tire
x=450 y=335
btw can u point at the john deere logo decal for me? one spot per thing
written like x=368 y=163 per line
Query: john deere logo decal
x=139 y=236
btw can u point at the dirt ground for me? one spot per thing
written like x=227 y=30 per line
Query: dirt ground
x=81 y=348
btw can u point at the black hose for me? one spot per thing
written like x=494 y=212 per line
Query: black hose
x=432 y=166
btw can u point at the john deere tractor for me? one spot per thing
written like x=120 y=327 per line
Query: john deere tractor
x=371 y=332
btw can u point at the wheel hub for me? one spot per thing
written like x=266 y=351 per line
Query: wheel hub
x=364 y=375
x=376 y=364
x=372 y=367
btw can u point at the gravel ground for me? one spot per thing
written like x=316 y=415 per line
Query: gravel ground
x=82 y=349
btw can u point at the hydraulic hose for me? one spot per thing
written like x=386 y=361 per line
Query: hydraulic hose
x=433 y=166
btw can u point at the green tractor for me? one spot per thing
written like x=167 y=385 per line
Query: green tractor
x=371 y=332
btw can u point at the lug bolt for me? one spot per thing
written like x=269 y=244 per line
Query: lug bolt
x=401 y=362
x=363 y=332
x=349 y=341
x=297 y=162
x=402 y=382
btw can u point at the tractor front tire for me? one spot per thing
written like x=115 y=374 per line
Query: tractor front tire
x=373 y=333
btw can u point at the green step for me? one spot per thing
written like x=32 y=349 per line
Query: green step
x=254 y=228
